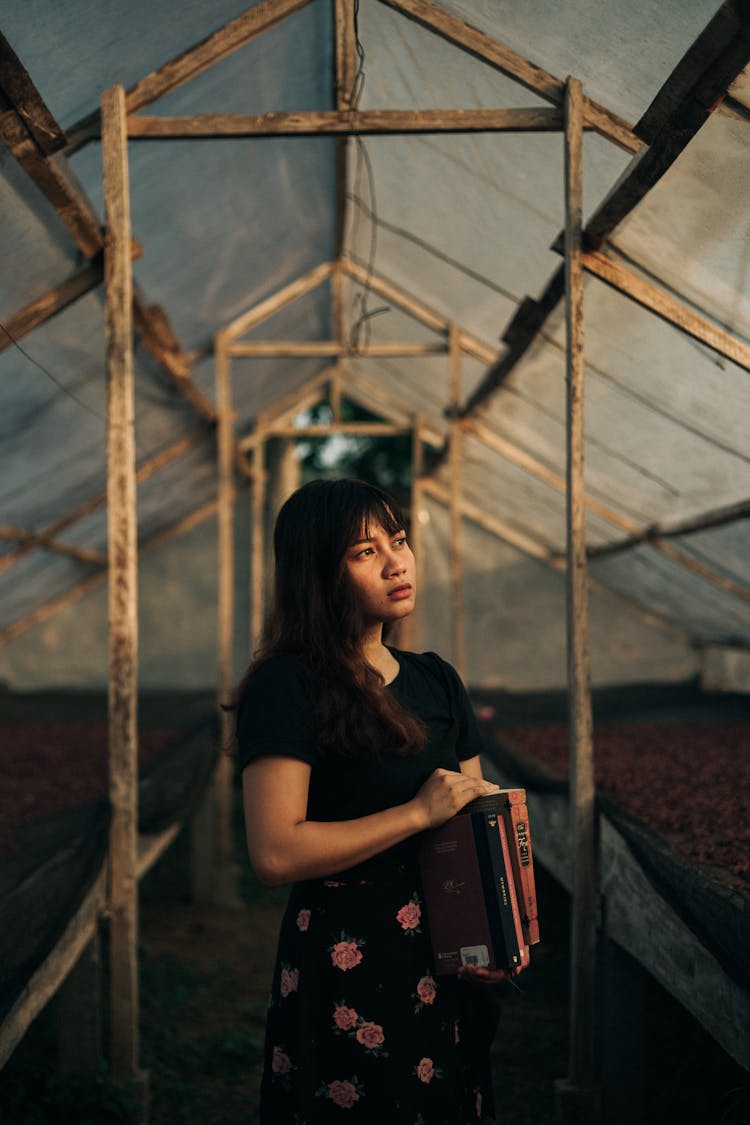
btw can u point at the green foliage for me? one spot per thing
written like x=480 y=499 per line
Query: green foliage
x=385 y=461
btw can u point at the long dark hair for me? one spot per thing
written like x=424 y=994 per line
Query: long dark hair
x=316 y=617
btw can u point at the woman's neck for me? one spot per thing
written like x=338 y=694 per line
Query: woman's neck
x=378 y=656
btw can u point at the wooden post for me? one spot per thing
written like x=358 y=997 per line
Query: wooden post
x=123 y=613
x=224 y=883
x=257 y=547
x=345 y=71
x=459 y=654
x=578 y=1099
x=225 y=442
x=412 y=634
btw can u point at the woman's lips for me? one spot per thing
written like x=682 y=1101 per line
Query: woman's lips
x=400 y=592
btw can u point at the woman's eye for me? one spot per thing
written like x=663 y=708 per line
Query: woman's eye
x=400 y=541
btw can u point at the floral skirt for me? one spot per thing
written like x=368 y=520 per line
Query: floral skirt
x=360 y=1028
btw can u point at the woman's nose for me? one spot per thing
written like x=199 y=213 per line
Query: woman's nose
x=394 y=563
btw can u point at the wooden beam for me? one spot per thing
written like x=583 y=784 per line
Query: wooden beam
x=470 y=344
x=152 y=465
x=411 y=633
x=514 y=66
x=711 y=53
x=530 y=464
x=51 y=302
x=651 y=536
x=667 y=308
x=311 y=390
x=677 y=555
x=360 y=429
x=159 y=339
x=278 y=300
x=192 y=62
x=226 y=445
x=509 y=534
x=158 y=335
x=536 y=550
x=638 y=178
x=39 y=539
x=455 y=460
x=390 y=406
x=345 y=54
x=718 y=517
x=42 y=612
x=257 y=542
x=581 y=1072
x=225 y=471
x=26 y=102
x=345 y=99
x=56 y=181
x=56 y=299
x=320 y=123
x=47 y=978
x=272 y=348
x=123 y=583
x=520 y=334
x=652 y=163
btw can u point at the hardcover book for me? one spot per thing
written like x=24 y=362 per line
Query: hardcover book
x=474 y=901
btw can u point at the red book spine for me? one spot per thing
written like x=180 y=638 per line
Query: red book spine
x=516 y=820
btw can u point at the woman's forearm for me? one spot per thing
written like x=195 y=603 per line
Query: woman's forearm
x=314 y=849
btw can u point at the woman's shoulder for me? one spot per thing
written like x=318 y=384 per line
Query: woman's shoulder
x=279 y=677
x=275 y=710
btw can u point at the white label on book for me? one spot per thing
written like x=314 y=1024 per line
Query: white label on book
x=475 y=955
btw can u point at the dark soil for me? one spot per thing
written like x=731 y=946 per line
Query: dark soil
x=680 y=778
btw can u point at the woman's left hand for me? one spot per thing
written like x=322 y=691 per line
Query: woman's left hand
x=486 y=976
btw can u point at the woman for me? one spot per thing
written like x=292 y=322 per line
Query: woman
x=350 y=749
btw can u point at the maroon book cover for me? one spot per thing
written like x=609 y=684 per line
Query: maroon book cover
x=455 y=897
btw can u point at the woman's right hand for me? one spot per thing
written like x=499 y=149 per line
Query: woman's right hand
x=446 y=792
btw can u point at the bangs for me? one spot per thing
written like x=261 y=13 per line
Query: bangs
x=379 y=511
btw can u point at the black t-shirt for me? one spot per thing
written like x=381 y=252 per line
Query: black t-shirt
x=277 y=717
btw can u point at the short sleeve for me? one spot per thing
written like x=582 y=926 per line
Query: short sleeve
x=470 y=742
x=275 y=715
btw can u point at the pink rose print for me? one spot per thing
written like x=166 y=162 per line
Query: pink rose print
x=410 y=916
x=303 y=921
x=427 y=990
x=343 y=1094
x=426 y=1071
x=344 y=1018
x=345 y=954
x=280 y=1063
x=289 y=981
x=370 y=1035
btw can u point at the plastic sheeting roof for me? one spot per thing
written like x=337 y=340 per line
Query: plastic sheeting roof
x=464 y=223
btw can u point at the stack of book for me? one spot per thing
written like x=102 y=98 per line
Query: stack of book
x=478 y=880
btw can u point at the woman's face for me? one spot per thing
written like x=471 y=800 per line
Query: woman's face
x=381 y=571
